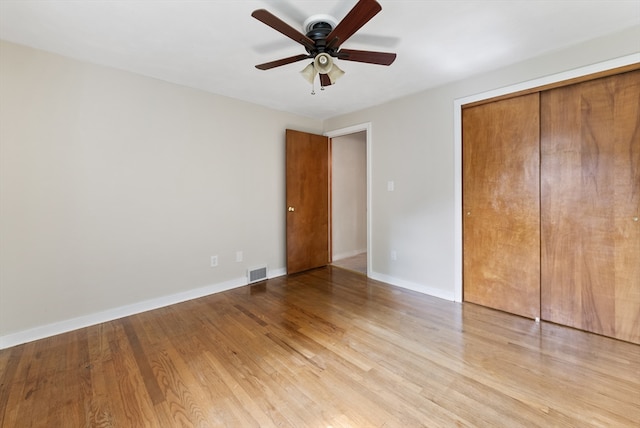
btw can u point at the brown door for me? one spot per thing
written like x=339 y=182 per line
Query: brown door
x=308 y=184
x=501 y=227
x=590 y=165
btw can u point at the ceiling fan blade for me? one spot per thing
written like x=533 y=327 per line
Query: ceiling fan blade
x=361 y=13
x=279 y=25
x=381 y=58
x=325 y=80
x=283 y=61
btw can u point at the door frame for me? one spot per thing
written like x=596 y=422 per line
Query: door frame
x=457 y=139
x=352 y=130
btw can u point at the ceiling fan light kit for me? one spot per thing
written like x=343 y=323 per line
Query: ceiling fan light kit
x=323 y=63
x=335 y=73
x=309 y=73
x=322 y=41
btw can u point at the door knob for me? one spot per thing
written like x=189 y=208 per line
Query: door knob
x=291 y=209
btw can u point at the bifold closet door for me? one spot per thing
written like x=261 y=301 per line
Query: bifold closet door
x=501 y=203
x=590 y=203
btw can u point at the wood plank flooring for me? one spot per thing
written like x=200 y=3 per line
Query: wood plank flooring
x=325 y=348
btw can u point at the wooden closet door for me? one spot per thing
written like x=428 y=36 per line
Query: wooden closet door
x=501 y=227
x=590 y=197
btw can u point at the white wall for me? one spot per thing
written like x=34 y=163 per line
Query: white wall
x=412 y=144
x=349 y=195
x=115 y=190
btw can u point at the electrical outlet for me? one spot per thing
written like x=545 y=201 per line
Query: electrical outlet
x=394 y=255
x=238 y=256
x=214 y=261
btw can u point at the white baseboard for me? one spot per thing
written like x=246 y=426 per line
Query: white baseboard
x=420 y=288
x=274 y=273
x=71 y=324
x=346 y=255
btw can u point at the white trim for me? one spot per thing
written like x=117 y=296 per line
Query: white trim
x=348 y=130
x=457 y=143
x=273 y=273
x=348 y=254
x=352 y=130
x=457 y=205
x=65 y=326
x=420 y=288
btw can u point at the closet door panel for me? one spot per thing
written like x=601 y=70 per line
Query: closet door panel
x=627 y=201
x=590 y=196
x=501 y=228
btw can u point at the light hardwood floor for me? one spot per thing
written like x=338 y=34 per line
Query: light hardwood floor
x=325 y=348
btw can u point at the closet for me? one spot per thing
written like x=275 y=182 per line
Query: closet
x=551 y=199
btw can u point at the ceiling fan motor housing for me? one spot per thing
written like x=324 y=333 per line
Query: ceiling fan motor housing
x=317 y=28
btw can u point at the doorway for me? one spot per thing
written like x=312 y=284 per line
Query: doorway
x=350 y=154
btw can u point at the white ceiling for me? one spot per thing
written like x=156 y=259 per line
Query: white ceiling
x=213 y=45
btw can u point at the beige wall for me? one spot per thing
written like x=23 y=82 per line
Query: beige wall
x=349 y=195
x=412 y=144
x=117 y=188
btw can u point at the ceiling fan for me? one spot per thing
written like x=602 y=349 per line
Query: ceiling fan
x=323 y=39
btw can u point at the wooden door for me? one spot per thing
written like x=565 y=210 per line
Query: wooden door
x=590 y=191
x=307 y=163
x=501 y=226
